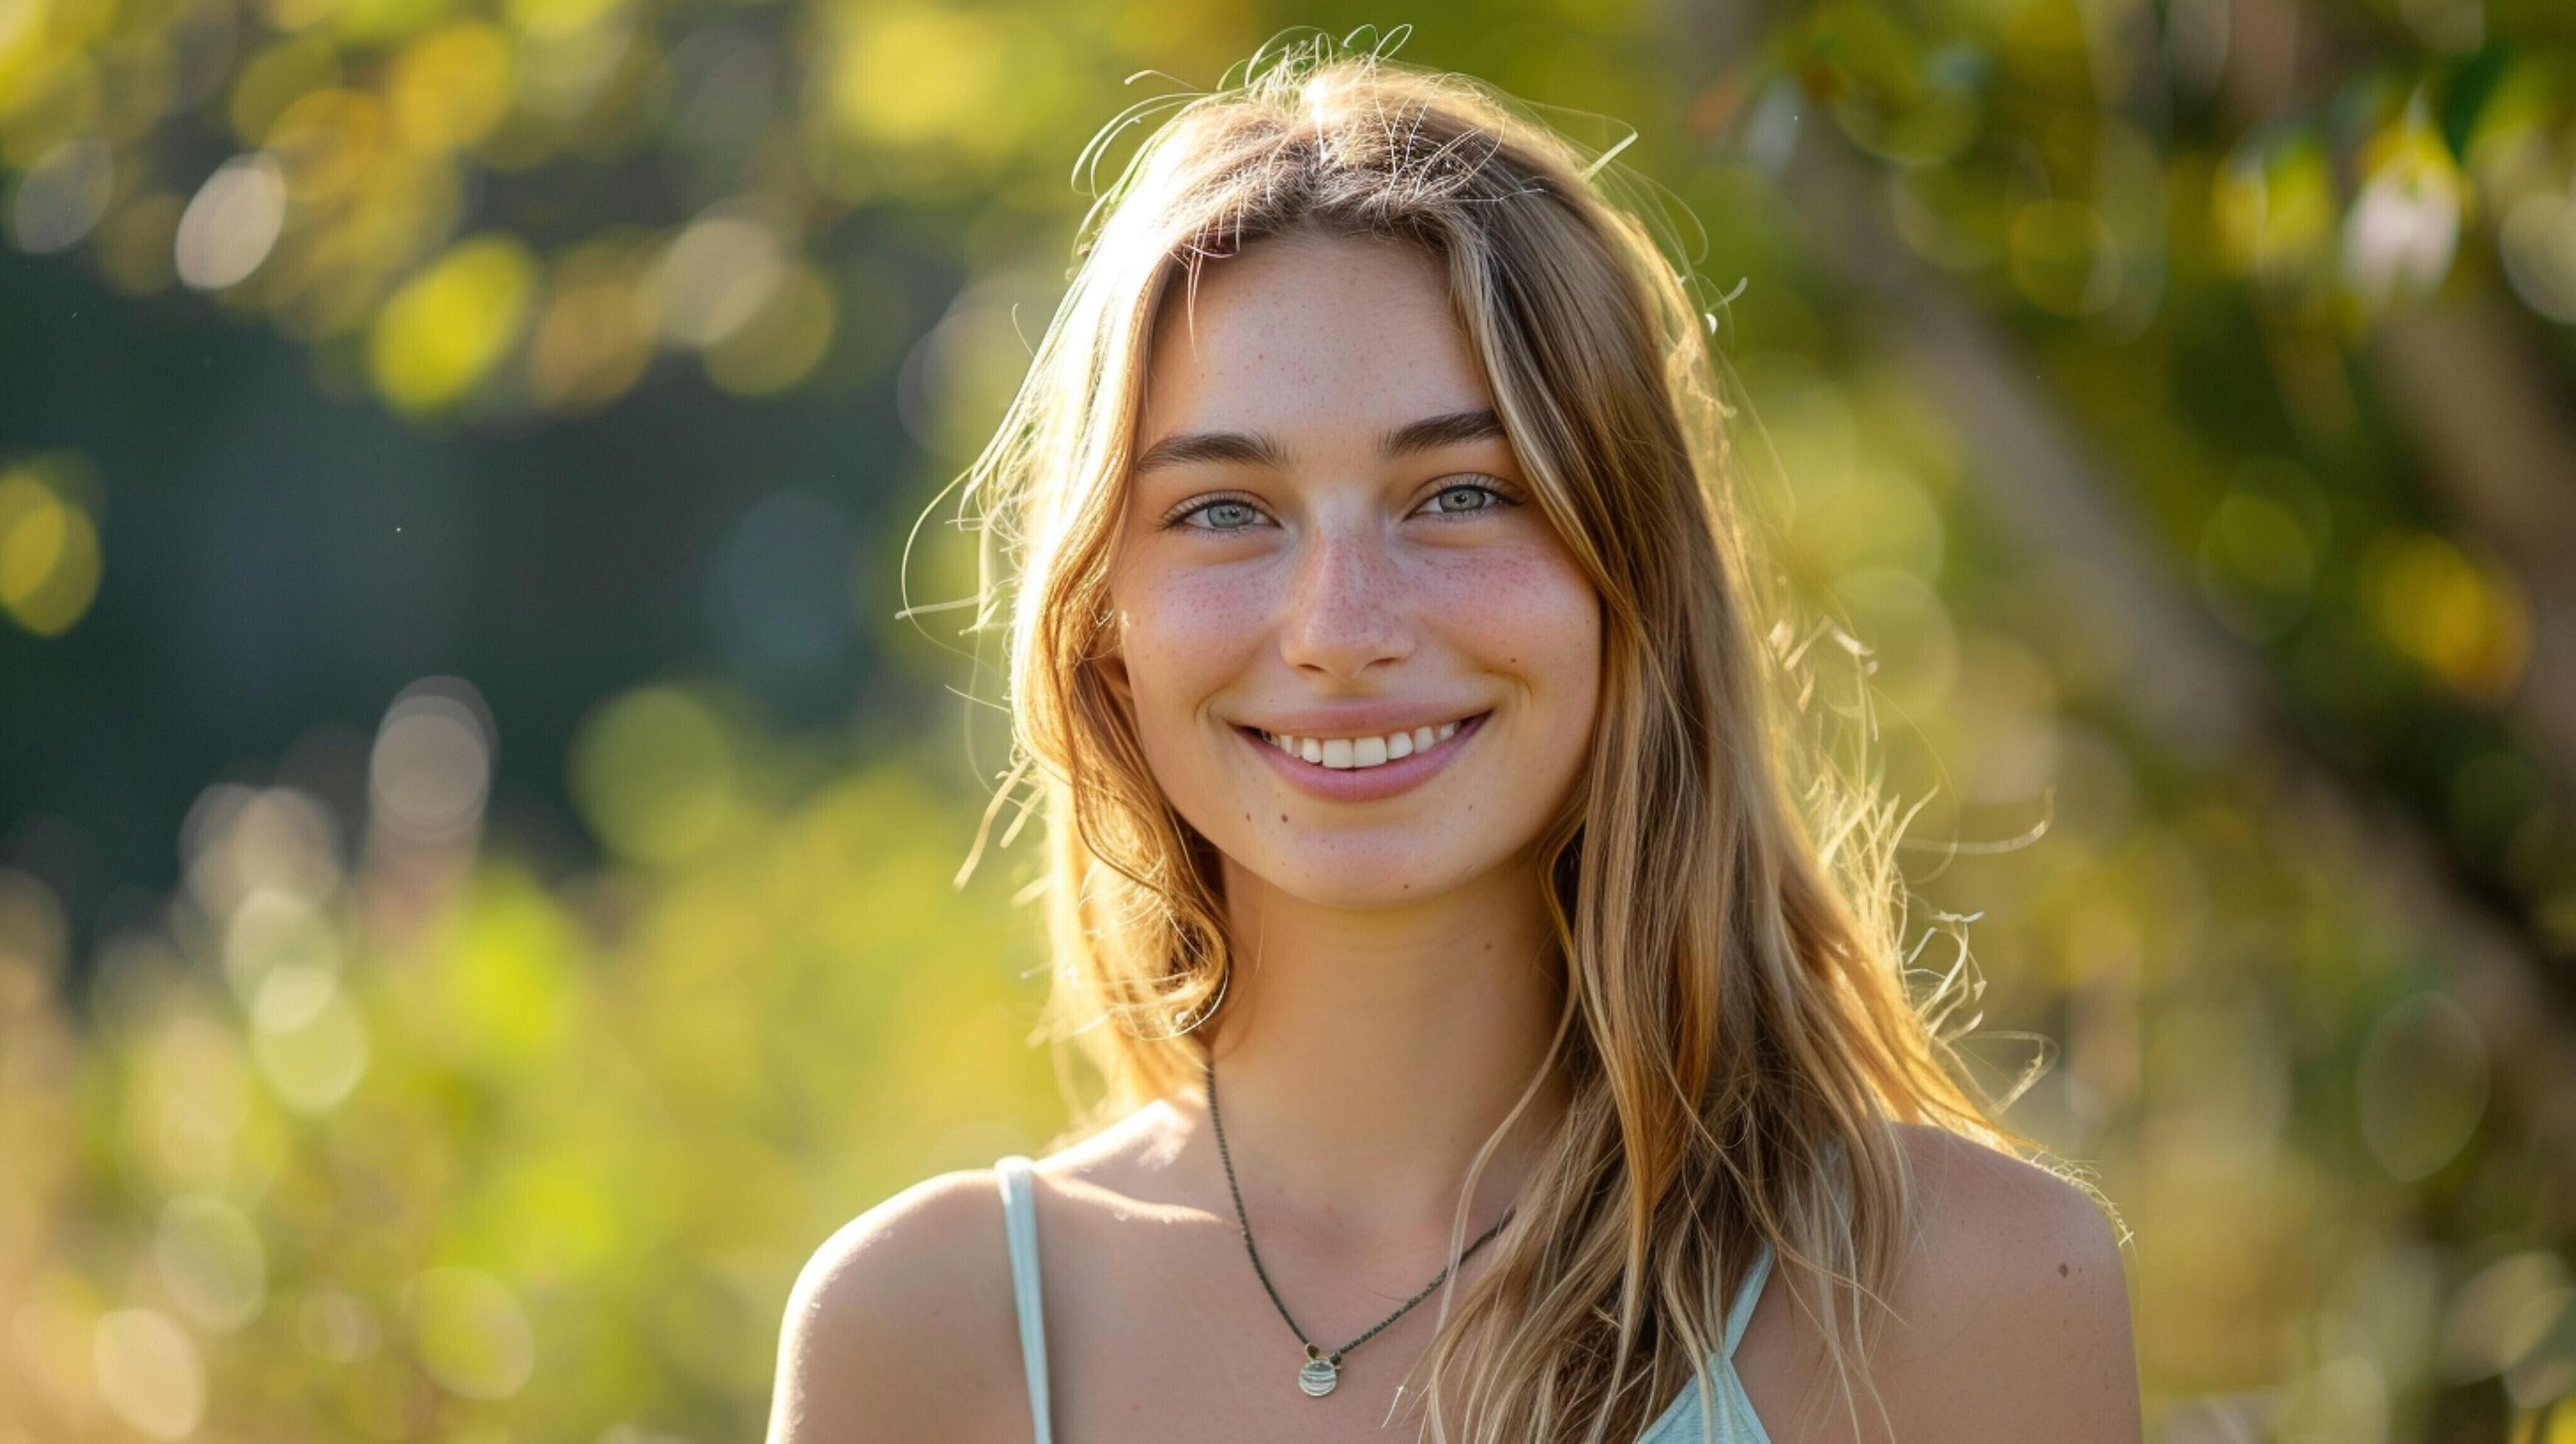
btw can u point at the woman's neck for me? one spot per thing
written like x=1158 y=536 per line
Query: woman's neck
x=1363 y=1057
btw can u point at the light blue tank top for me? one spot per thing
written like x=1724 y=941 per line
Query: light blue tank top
x=1733 y=1423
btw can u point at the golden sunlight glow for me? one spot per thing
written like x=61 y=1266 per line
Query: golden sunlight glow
x=907 y=75
x=450 y=87
x=326 y=141
x=448 y=326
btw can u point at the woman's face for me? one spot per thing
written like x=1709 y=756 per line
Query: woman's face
x=1327 y=538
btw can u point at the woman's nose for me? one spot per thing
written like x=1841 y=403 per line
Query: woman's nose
x=1347 y=606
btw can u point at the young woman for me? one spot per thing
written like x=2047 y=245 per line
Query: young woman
x=1490 y=1052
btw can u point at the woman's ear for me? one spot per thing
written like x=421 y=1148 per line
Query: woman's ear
x=1113 y=671
x=1110 y=657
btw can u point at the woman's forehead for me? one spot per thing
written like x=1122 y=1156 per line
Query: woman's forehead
x=1337 y=335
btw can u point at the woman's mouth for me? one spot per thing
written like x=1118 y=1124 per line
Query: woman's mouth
x=1359 y=769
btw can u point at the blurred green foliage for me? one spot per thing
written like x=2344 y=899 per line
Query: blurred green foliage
x=2172 y=399
x=444 y=1147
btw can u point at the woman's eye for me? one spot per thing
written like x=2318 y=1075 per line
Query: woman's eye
x=1233 y=514
x=1224 y=514
x=1440 y=500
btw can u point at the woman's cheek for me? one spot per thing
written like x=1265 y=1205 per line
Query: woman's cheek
x=1195 y=614
x=1526 y=610
x=1187 y=638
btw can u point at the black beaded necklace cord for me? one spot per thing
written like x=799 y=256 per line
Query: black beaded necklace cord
x=1322 y=1369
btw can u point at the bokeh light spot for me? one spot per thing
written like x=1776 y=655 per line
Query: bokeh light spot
x=911 y=74
x=313 y=1061
x=150 y=1373
x=432 y=764
x=2423 y=1085
x=448 y=326
x=781 y=341
x=49 y=556
x=61 y=197
x=450 y=87
x=469 y=1331
x=653 y=773
x=717 y=274
x=211 y=1260
x=232 y=224
x=2462 y=619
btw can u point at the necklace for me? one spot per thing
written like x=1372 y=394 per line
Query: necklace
x=1323 y=1367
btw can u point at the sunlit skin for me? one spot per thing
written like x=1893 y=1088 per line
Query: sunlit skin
x=1247 y=590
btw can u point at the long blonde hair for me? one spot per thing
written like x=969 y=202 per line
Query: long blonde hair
x=1736 y=1028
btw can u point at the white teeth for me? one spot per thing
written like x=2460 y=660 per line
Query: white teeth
x=1346 y=753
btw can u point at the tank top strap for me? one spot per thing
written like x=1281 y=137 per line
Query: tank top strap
x=1020 y=1223
x=1747 y=1294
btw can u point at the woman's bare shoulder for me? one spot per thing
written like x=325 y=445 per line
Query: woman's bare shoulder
x=2010 y=1318
x=2015 y=1307
x=902 y=1324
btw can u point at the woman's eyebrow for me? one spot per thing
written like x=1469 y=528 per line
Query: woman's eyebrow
x=1450 y=428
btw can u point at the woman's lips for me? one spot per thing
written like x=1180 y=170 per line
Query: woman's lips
x=1365 y=784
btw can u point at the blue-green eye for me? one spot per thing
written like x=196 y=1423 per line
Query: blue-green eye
x=1227 y=514
x=1500 y=499
x=1223 y=505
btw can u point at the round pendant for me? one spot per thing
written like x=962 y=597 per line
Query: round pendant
x=1318 y=1377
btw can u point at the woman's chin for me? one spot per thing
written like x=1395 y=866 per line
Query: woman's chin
x=1364 y=880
